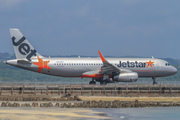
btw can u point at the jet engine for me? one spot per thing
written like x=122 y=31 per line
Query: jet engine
x=126 y=77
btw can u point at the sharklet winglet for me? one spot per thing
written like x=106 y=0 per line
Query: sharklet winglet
x=102 y=57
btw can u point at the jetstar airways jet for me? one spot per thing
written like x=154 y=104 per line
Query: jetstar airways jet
x=110 y=70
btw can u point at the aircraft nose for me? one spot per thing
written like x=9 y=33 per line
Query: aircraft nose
x=173 y=70
x=7 y=62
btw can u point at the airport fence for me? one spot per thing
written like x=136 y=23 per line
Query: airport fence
x=92 y=90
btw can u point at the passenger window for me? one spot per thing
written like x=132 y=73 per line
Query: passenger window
x=67 y=63
x=64 y=63
x=54 y=63
x=74 y=63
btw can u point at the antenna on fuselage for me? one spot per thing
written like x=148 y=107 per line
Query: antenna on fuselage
x=79 y=56
x=152 y=57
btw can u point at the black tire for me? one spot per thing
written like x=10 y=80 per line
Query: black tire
x=155 y=83
x=92 y=82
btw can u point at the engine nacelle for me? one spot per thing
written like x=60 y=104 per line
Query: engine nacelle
x=126 y=77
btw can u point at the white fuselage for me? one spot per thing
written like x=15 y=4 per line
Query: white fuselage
x=75 y=67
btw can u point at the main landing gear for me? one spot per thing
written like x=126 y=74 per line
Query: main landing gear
x=154 y=80
x=92 y=82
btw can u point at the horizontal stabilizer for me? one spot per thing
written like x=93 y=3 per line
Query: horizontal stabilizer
x=24 y=62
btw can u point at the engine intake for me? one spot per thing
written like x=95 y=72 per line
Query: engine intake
x=126 y=77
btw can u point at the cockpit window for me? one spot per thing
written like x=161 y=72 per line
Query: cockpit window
x=167 y=64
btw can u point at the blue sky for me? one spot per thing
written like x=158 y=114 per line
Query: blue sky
x=82 y=27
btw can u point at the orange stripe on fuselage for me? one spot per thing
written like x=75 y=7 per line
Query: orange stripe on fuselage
x=95 y=76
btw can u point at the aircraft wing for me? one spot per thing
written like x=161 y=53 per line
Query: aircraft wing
x=108 y=68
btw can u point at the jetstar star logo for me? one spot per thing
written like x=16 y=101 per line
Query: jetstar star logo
x=42 y=64
x=149 y=64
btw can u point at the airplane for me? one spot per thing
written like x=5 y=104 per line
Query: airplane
x=103 y=70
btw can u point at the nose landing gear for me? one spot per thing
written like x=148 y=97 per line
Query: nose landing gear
x=92 y=82
x=154 y=81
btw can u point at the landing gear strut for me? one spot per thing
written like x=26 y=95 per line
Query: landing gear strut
x=92 y=82
x=154 y=80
